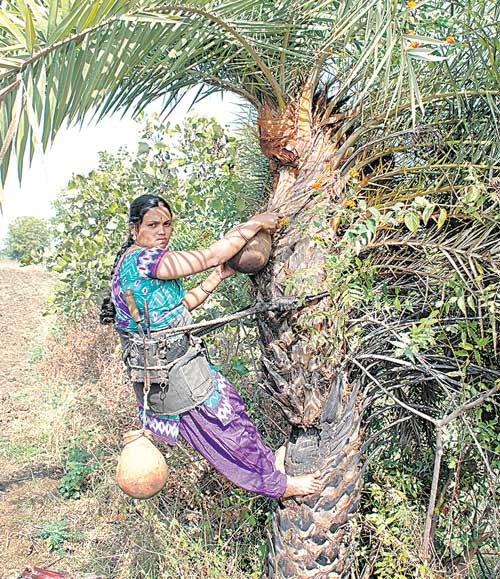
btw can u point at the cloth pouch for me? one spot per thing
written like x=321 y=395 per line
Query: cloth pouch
x=189 y=383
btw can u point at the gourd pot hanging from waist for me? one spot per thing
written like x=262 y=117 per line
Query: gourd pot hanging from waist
x=179 y=373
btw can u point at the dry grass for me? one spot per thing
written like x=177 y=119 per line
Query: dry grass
x=199 y=526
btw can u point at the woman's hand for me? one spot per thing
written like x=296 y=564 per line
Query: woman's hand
x=196 y=296
x=224 y=271
x=268 y=221
x=220 y=251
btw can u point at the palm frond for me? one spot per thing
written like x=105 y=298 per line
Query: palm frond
x=421 y=303
x=72 y=58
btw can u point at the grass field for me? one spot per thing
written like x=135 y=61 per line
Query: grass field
x=65 y=407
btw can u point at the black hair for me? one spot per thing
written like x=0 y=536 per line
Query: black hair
x=138 y=208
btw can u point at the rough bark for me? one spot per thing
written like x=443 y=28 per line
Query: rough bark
x=311 y=536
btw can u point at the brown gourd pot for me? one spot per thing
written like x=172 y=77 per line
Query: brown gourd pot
x=142 y=470
x=254 y=255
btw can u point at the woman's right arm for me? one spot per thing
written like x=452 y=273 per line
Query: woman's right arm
x=175 y=264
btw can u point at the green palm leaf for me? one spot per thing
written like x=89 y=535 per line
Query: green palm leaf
x=108 y=55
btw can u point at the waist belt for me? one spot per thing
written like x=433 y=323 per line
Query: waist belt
x=178 y=368
x=162 y=351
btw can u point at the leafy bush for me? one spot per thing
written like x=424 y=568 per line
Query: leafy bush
x=79 y=465
x=196 y=167
x=27 y=240
x=55 y=533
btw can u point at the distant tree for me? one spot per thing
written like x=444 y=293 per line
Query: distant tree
x=27 y=239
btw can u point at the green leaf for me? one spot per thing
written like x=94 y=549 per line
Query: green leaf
x=68 y=23
x=427 y=212
x=30 y=31
x=23 y=133
x=443 y=214
x=7 y=23
x=426 y=54
x=52 y=20
x=412 y=220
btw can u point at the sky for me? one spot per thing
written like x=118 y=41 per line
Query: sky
x=76 y=150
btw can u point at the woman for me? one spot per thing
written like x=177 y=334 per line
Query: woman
x=212 y=417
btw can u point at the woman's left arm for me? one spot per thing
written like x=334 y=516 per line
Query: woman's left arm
x=196 y=296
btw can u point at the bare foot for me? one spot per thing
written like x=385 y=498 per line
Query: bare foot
x=280 y=458
x=305 y=484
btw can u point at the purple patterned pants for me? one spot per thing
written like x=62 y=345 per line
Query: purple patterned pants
x=234 y=448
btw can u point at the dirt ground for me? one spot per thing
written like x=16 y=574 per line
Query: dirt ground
x=23 y=485
x=69 y=392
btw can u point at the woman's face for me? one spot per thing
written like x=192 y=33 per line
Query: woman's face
x=155 y=228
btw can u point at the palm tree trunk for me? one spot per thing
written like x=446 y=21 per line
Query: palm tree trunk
x=310 y=536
